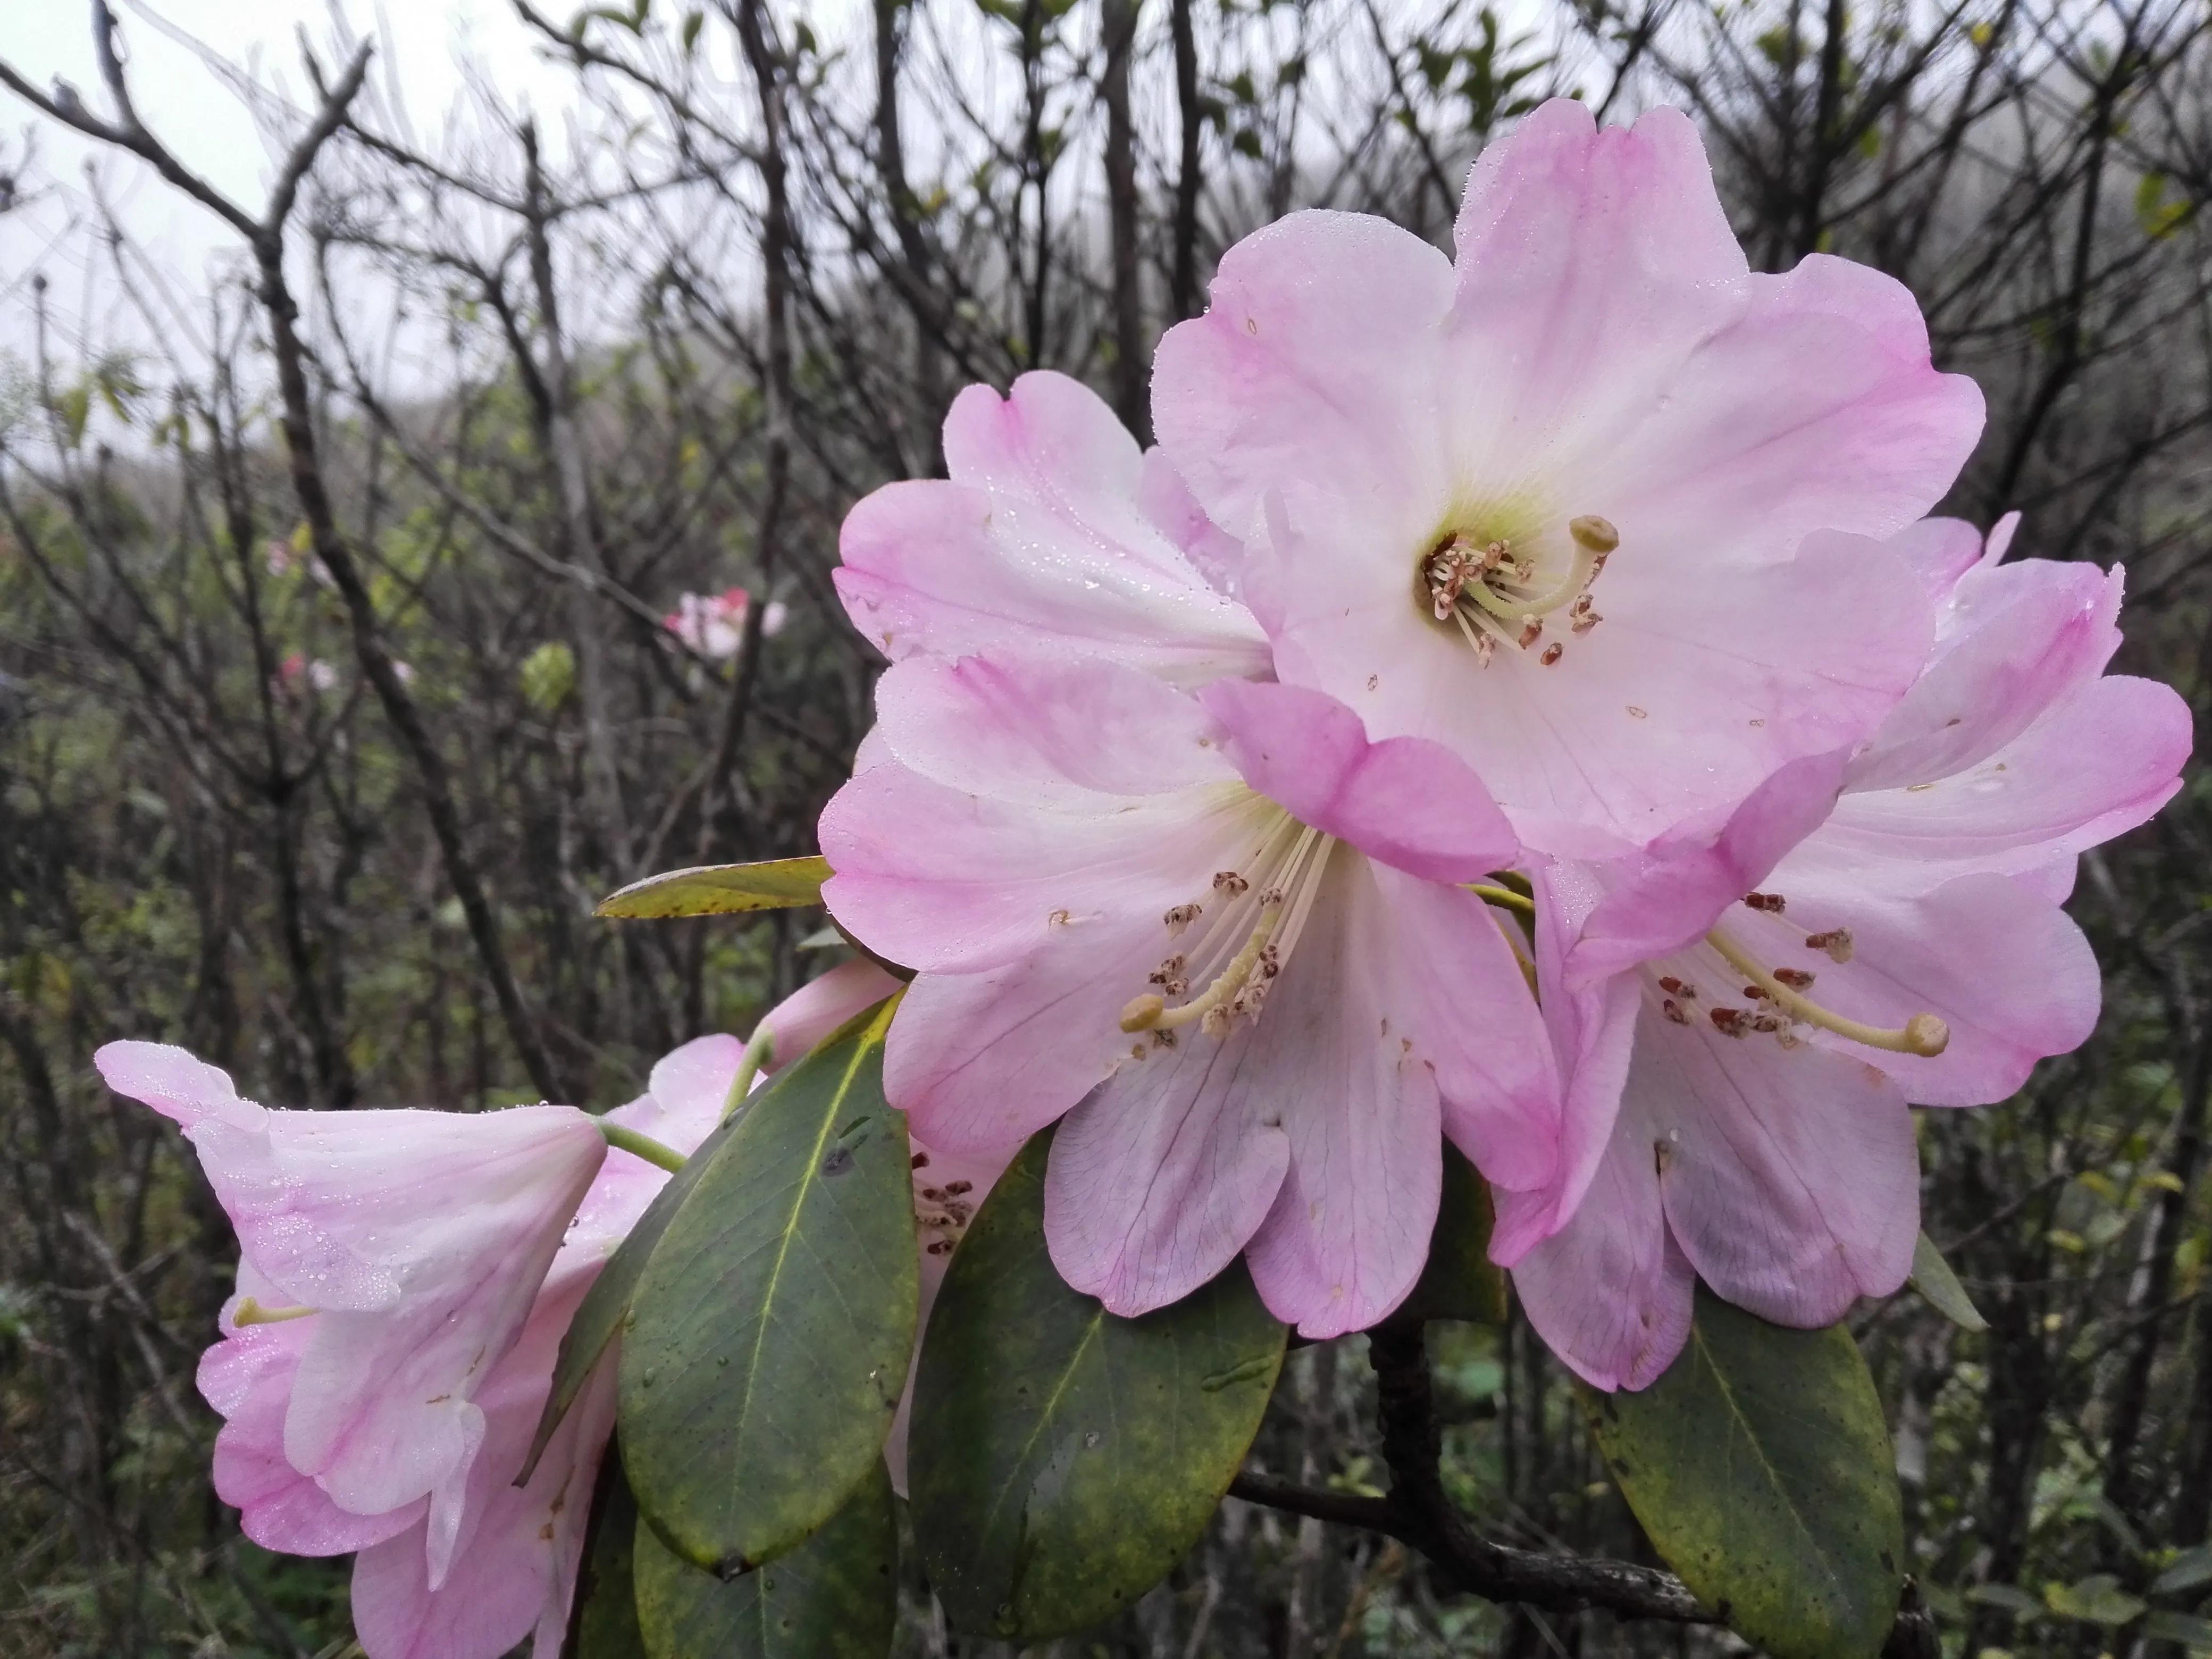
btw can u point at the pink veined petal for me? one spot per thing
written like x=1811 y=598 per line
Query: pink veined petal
x=1591 y=1030
x=1939 y=551
x=247 y=1379
x=2038 y=632
x=1166 y=499
x=978 y=1060
x=1612 y=1293
x=1458 y=993
x=1591 y=263
x=184 y=1089
x=514 y=1570
x=1080 y=736
x=1672 y=893
x=1349 y=1231
x=1038 y=543
x=1297 y=373
x=1405 y=801
x=940 y=880
x=689 y=1088
x=2098 y=764
x=2010 y=974
x=1158 y=1179
x=1789 y=1176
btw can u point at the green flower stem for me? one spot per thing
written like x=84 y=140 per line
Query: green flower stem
x=748 y=1065
x=638 y=1146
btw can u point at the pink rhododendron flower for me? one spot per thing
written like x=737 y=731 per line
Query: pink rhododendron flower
x=1869 y=930
x=714 y=624
x=515 y=1558
x=1560 y=505
x=1218 y=935
x=409 y=1244
x=1053 y=536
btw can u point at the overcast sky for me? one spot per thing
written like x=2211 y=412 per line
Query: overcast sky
x=424 y=44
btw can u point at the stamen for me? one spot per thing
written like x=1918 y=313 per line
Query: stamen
x=1148 y=1011
x=251 y=1312
x=1923 y=1034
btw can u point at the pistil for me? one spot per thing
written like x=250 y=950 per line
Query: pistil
x=251 y=1312
x=1924 y=1035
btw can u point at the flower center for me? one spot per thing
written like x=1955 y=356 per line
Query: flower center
x=1253 y=918
x=1491 y=592
x=1776 y=999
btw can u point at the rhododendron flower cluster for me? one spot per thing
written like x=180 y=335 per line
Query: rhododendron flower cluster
x=1522 y=700
x=1523 y=705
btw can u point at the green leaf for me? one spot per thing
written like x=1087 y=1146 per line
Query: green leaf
x=1761 y=1467
x=1933 y=1278
x=607 y=1303
x=2185 y=1572
x=603 y=1624
x=2190 y=1630
x=548 y=675
x=2009 y=1597
x=1063 y=1460
x=2096 y=1600
x=1460 y=1281
x=834 y=1597
x=770 y=1337
x=721 y=889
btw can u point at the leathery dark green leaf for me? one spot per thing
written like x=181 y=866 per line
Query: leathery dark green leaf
x=1060 y=1460
x=1459 y=1280
x=603 y=1623
x=769 y=1336
x=720 y=890
x=607 y=1305
x=834 y=1597
x=1761 y=1467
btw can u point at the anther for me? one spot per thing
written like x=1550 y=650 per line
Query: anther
x=1772 y=903
x=1594 y=533
x=1836 y=942
x=1531 y=631
x=1795 y=978
x=1181 y=916
x=1730 y=1022
x=1673 y=1010
x=1553 y=652
x=1230 y=882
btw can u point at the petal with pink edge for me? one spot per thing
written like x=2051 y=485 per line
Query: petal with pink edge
x=1612 y=1293
x=1349 y=1231
x=1037 y=543
x=247 y=1378
x=1789 y=1176
x=1158 y=1179
x=1409 y=803
x=1670 y=894
x=2098 y=764
x=515 y=1570
x=1462 y=1000
x=1592 y=1028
